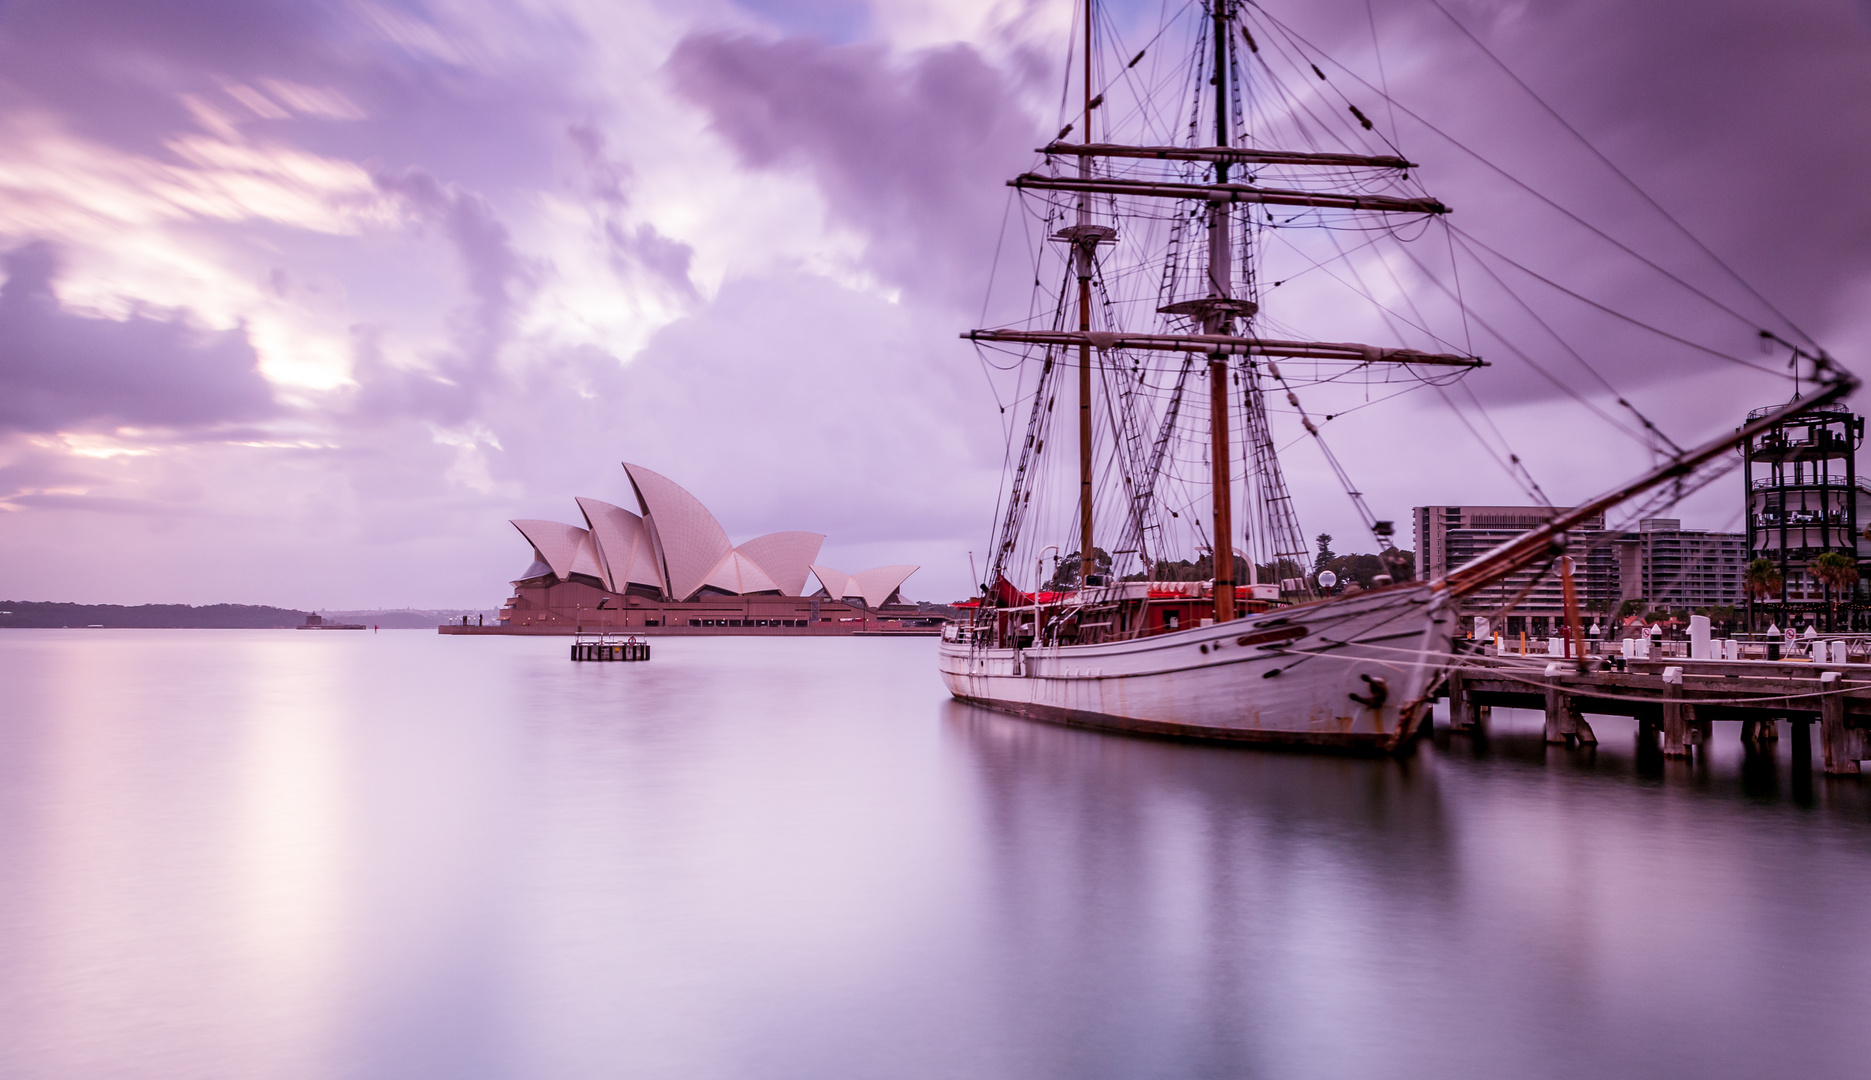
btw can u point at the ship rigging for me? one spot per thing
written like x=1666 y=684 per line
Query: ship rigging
x=1160 y=332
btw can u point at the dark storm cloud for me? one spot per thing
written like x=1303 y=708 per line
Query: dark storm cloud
x=909 y=150
x=1744 y=121
x=59 y=370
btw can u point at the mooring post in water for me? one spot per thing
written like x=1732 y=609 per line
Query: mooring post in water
x=1843 y=746
x=1763 y=730
x=1674 y=742
x=1647 y=734
x=1464 y=713
x=1459 y=719
x=1564 y=722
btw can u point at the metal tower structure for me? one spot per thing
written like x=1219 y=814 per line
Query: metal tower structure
x=1804 y=499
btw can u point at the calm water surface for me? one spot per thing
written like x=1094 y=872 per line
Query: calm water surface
x=285 y=855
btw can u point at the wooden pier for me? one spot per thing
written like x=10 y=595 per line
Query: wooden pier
x=609 y=647
x=1680 y=699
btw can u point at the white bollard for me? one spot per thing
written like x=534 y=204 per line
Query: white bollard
x=1482 y=631
x=1628 y=647
x=1555 y=646
x=1643 y=648
x=1699 y=638
x=1838 y=652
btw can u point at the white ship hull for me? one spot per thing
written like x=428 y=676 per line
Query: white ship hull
x=1352 y=674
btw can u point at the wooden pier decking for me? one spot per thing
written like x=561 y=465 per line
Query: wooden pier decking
x=1682 y=699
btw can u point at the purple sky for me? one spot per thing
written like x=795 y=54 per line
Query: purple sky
x=304 y=301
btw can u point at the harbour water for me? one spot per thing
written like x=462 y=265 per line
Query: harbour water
x=268 y=854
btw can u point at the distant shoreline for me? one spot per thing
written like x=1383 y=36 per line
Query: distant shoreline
x=52 y=615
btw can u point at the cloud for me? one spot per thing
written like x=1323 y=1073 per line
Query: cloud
x=498 y=278
x=496 y=273
x=909 y=150
x=486 y=251
x=635 y=249
x=1742 y=123
x=60 y=370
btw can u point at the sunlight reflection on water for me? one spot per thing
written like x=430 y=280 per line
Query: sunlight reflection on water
x=310 y=855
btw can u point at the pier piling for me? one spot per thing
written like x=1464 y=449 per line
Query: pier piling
x=1844 y=746
x=1675 y=729
x=1678 y=702
x=1465 y=713
x=1459 y=718
x=1564 y=722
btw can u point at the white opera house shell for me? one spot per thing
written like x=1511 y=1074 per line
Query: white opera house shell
x=669 y=566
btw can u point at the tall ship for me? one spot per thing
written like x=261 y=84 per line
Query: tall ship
x=1179 y=195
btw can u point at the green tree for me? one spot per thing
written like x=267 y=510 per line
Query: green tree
x=1837 y=572
x=1325 y=550
x=1761 y=581
x=1065 y=575
x=1365 y=569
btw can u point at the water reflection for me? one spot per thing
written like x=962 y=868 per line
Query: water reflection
x=1179 y=910
x=1213 y=912
x=232 y=854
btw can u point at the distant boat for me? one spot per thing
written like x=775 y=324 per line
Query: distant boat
x=317 y=622
x=1153 y=284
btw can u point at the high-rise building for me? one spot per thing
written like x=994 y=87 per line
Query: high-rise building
x=1682 y=569
x=1660 y=564
x=1448 y=537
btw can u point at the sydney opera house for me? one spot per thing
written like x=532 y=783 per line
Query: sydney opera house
x=668 y=567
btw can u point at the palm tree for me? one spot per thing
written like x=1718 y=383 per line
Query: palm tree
x=1763 y=580
x=1834 y=570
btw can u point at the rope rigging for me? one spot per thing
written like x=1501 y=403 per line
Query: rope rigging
x=1154 y=467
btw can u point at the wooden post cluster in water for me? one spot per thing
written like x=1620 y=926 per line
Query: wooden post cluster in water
x=1682 y=700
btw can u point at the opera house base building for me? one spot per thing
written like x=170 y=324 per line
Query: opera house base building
x=670 y=569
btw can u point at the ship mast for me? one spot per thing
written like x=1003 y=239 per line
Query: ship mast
x=1219 y=319
x=1216 y=314
x=1085 y=242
